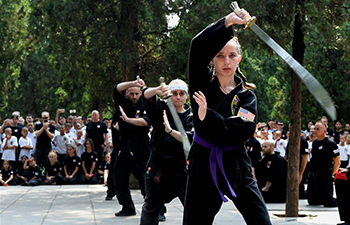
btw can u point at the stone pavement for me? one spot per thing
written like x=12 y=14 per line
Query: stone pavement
x=85 y=204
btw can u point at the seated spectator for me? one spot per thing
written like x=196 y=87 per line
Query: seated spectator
x=53 y=170
x=6 y=174
x=71 y=164
x=89 y=159
x=61 y=141
x=103 y=170
x=25 y=143
x=271 y=174
x=20 y=179
x=32 y=173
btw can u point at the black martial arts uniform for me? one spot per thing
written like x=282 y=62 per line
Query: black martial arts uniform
x=342 y=188
x=229 y=122
x=89 y=158
x=320 y=182
x=54 y=170
x=165 y=178
x=71 y=163
x=272 y=168
x=254 y=149
x=132 y=151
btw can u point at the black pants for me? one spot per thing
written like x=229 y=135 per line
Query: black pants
x=124 y=166
x=203 y=201
x=158 y=193
x=320 y=188
x=342 y=188
x=41 y=156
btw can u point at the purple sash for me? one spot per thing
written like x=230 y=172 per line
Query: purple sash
x=216 y=157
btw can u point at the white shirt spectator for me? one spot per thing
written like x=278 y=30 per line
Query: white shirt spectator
x=344 y=152
x=9 y=154
x=25 y=142
x=281 y=146
x=32 y=137
x=61 y=142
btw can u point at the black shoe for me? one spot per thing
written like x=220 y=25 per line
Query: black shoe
x=124 y=213
x=25 y=184
x=109 y=198
x=161 y=217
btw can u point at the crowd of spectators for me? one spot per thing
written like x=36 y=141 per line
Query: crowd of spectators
x=65 y=150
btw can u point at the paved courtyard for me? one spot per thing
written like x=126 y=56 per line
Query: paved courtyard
x=85 y=204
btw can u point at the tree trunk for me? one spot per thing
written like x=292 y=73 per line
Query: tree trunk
x=292 y=203
x=128 y=31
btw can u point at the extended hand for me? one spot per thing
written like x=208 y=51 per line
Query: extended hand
x=202 y=103
x=123 y=116
x=166 y=122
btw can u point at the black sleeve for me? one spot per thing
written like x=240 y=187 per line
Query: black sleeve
x=234 y=128
x=203 y=48
x=154 y=108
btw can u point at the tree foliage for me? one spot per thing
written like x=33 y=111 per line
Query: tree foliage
x=70 y=54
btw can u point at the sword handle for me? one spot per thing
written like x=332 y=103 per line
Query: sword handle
x=251 y=20
x=161 y=81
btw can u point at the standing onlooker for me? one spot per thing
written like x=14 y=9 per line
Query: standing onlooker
x=78 y=142
x=44 y=132
x=324 y=164
x=280 y=126
x=25 y=143
x=272 y=124
x=9 y=146
x=96 y=130
x=344 y=152
x=330 y=132
x=280 y=144
x=32 y=136
x=338 y=131
x=61 y=141
x=133 y=149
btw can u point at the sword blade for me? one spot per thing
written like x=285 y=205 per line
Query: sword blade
x=185 y=142
x=311 y=83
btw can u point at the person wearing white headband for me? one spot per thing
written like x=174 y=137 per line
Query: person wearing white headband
x=165 y=178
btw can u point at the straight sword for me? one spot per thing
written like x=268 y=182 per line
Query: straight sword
x=311 y=83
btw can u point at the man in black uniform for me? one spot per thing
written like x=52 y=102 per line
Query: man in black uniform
x=44 y=133
x=324 y=163
x=271 y=174
x=133 y=148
